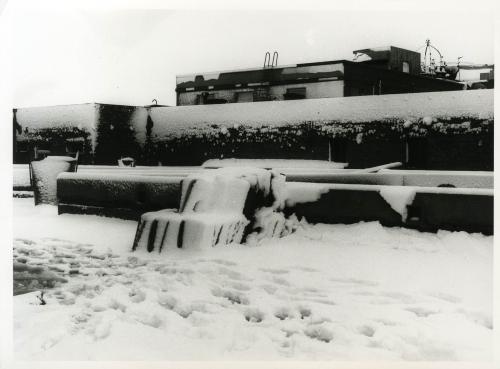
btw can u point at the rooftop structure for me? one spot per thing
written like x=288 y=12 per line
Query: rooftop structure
x=378 y=71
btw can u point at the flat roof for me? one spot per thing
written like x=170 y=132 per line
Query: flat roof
x=263 y=68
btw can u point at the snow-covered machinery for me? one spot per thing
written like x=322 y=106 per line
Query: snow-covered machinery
x=218 y=206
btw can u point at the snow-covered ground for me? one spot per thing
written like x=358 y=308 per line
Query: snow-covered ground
x=327 y=292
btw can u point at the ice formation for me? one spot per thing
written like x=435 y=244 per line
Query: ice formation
x=219 y=206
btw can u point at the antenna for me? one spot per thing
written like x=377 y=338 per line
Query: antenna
x=431 y=68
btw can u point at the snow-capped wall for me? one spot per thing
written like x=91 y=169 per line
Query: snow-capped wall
x=77 y=115
x=473 y=103
x=78 y=120
x=423 y=208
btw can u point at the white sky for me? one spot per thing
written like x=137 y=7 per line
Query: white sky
x=62 y=56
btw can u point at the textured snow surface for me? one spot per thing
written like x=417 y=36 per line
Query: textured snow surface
x=273 y=163
x=82 y=116
x=327 y=292
x=473 y=103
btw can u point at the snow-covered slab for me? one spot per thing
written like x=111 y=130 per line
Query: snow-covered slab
x=98 y=177
x=308 y=192
x=129 y=194
x=430 y=178
x=165 y=230
x=21 y=176
x=289 y=164
x=461 y=179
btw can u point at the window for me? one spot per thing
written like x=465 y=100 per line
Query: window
x=295 y=93
x=206 y=98
x=244 y=96
x=406 y=67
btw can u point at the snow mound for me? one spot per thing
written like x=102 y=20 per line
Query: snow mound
x=218 y=207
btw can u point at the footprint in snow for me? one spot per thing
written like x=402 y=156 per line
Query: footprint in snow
x=136 y=295
x=319 y=332
x=253 y=315
x=283 y=313
x=304 y=312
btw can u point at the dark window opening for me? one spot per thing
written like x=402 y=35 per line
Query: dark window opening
x=206 y=99
x=244 y=96
x=296 y=93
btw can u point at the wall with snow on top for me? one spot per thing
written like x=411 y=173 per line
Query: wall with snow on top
x=474 y=103
x=76 y=115
x=423 y=208
x=82 y=117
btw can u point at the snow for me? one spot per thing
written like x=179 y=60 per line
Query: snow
x=399 y=198
x=290 y=164
x=80 y=116
x=175 y=120
x=433 y=178
x=45 y=174
x=21 y=176
x=112 y=177
x=326 y=292
x=301 y=192
x=213 y=210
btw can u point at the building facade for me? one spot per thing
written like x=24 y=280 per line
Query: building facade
x=388 y=71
